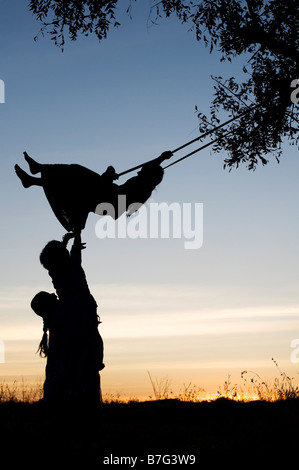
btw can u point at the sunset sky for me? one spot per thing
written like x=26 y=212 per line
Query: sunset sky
x=191 y=315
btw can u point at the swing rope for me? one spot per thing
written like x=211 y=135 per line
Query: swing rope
x=195 y=140
x=197 y=150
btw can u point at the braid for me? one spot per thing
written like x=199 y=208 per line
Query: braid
x=43 y=348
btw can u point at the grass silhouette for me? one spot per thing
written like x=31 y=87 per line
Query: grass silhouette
x=183 y=424
x=253 y=387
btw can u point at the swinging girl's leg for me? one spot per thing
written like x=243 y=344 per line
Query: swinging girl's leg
x=27 y=180
x=34 y=166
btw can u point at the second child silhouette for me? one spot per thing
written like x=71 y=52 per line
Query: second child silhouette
x=77 y=311
x=75 y=348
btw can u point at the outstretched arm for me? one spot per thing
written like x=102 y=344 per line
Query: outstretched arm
x=66 y=238
x=157 y=161
x=77 y=247
x=163 y=156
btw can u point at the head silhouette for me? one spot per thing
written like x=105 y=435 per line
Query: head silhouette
x=151 y=174
x=54 y=255
x=44 y=305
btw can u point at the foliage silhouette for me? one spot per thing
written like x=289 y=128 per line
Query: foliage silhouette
x=264 y=32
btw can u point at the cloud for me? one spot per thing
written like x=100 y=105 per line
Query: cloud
x=140 y=311
x=182 y=329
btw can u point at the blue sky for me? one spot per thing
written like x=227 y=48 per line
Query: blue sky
x=194 y=315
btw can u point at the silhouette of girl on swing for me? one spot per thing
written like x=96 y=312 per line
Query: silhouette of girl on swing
x=73 y=190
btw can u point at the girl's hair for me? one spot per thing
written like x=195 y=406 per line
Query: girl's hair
x=43 y=348
x=40 y=305
x=54 y=254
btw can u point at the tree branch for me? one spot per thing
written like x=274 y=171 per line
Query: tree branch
x=261 y=36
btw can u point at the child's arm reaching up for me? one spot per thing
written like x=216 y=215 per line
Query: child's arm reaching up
x=66 y=238
x=77 y=247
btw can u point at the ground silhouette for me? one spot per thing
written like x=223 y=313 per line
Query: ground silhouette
x=165 y=427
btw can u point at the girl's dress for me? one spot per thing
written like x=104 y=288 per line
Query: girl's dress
x=73 y=191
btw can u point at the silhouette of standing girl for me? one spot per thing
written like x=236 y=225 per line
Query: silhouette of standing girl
x=74 y=349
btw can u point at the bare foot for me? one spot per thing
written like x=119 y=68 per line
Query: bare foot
x=34 y=166
x=24 y=177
